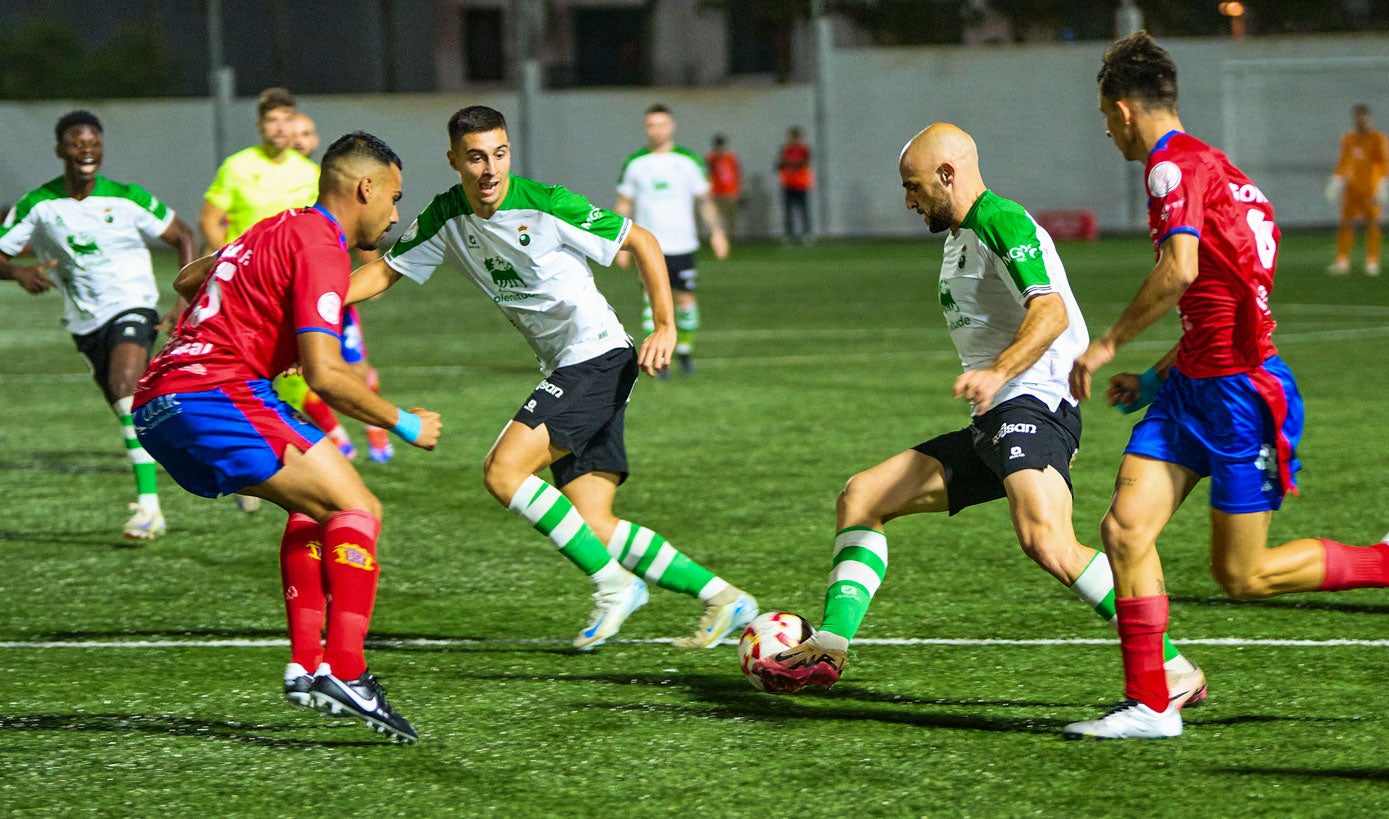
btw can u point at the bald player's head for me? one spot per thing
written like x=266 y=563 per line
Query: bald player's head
x=940 y=174
x=360 y=183
x=303 y=134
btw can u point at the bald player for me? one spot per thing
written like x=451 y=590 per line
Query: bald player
x=303 y=134
x=1016 y=326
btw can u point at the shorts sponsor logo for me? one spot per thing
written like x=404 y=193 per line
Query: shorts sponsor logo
x=351 y=554
x=330 y=307
x=1163 y=179
x=530 y=406
x=129 y=331
x=557 y=392
x=1014 y=429
x=1015 y=452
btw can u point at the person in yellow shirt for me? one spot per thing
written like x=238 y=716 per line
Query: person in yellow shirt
x=261 y=180
x=1359 y=182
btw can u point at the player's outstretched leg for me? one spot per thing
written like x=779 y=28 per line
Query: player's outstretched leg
x=649 y=556
x=147 y=522
x=1186 y=681
x=306 y=603
x=617 y=593
x=860 y=562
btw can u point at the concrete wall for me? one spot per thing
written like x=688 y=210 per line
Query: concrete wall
x=1032 y=109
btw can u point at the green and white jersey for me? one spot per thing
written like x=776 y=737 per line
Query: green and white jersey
x=104 y=265
x=998 y=259
x=529 y=258
x=663 y=187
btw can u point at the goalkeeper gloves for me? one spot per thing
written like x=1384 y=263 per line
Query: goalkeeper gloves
x=1334 y=186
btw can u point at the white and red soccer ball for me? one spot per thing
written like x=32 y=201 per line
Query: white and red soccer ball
x=767 y=636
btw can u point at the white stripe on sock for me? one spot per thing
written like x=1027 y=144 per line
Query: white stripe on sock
x=524 y=492
x=639 y=547
x=661 y=563
x=875 y=542
x=621 y=532
x=1096 y=581
x=712 y=589
x=857 y=572
x=568 y=526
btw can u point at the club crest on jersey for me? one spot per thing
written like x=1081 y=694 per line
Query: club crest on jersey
x=350 y=554
x=411 y=232
x=524 y=238
x=1163 y=179
x=330 y=307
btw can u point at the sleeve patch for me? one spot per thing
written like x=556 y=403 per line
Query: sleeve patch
x=330 y=308
x=1163 y=179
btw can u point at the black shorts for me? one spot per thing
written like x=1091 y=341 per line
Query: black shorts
x=583 y=406
x=682 y=272
x=138 y=326
x=1021 y=433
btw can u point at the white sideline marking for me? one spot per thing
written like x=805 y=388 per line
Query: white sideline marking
x=870 y=641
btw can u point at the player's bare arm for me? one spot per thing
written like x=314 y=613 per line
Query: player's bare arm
x=718 y=239
x=320 y=360
x=624 y=207
x=192 y=276
x=213 y=224
x=371 y=280
x=33 y=278
x=1176 y=269
x=656 y=349
x=1124 y=388
x=1043 y=323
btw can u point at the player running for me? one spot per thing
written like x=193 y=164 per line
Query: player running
x=206 y=411
x=1224 y=405
x=1361 y=184
x=664 y=184
x=1016 y=326
x=90 y=233
x=524 y=244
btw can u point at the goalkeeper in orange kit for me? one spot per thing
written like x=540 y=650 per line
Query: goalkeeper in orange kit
x=1359 y=182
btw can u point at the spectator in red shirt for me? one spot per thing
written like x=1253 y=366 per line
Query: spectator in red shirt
x=797 y=178
x=725 y=181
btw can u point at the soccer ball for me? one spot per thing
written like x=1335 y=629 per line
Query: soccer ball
x=769 y=635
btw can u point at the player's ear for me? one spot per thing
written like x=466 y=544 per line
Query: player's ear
x=364 y=187
x=452 y=164
x=946 y=173
x=1126 y=108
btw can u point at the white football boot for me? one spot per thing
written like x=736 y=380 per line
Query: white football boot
x=610 y=610
x=728 y=611
x=1129 y=719
x=144 y=525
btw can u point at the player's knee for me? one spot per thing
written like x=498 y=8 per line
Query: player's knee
x=500 y=481
x=1242 y=583
x=1122 y=540
x=856 y=501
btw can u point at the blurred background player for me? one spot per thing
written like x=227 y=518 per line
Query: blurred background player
x=90 y=233
x=725 y=183
x=1361 y=183
x=660 y=188
x=797 y=178
x=1016 y=327
x=1223 y=403
x=524 y=245
x=257 y=182
x=303 y=134
x=291 y=386
x=206 y=411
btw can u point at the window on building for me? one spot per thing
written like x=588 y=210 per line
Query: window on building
x=610 y=46
x=752 y=47
x=484 y=56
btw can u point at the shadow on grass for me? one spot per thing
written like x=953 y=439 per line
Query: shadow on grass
x=87 y=537
x=1360 y=774
x=1323 y=603
x=69 y=462
x=250 y=733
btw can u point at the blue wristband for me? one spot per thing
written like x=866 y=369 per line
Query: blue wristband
x=1148 y=384
x=407 y=426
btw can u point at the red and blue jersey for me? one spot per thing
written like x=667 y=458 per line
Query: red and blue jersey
x=1193 y=188
x=287 y=275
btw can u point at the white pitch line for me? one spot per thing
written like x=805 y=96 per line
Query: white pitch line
x=870 y=641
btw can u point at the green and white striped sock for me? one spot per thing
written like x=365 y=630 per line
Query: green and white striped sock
x=553 y=516
x=860 y=561
x=648 y=322
x=1095 y=586
x=647 y=554
x=686 y=322
x=146 y=475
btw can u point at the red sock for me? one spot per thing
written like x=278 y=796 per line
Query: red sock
x=301 y=577
x=1355 y=567
x=320 y=413
x=1142 y=621
x=349 y=563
